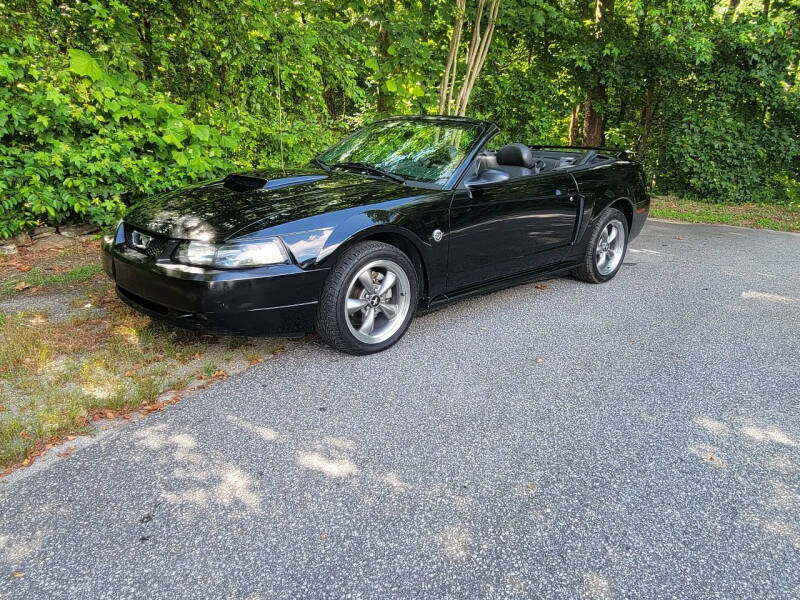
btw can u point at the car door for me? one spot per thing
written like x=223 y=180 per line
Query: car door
x=509 y=228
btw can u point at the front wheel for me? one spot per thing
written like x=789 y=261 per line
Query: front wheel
x=606 y=248
x=368 y=300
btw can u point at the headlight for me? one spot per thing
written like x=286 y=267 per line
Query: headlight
x=118 y=237
x=233 y=255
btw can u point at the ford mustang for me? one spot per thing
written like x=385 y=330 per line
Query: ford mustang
x=405 y=214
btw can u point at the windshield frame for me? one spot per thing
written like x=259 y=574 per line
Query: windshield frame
x=484 y=131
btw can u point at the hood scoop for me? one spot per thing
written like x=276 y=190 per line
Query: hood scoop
x=248 y=183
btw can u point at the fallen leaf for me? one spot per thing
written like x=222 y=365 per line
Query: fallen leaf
x=539 y=360
x=220 y=374
x=256 y=360
x=109 y=414
x=541 y=286
x=22 y=285
x=2 y=408
x=70 y=437
x=18 y=574
x=677 y=237
x=530 y=486
x=25 y=268
x=67 y=453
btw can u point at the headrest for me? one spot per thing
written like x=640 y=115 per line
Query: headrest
x=517 y=155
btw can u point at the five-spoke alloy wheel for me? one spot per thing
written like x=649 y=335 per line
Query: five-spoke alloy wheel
x=610 y=247
x=369 y=299
x=377 y=301
x=606 y=248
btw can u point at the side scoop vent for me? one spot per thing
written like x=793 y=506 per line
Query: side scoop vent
x=247 y=183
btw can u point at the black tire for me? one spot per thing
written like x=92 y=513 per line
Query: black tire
x=331 y=322
x=589 y=271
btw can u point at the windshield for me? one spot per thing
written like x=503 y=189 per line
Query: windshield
x=418 y=150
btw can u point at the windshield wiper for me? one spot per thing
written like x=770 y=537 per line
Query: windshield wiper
x=371 y=169
x=320 y=163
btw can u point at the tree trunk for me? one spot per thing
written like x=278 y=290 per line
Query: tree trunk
x=730 y=13
x=477 y=51
x=446 y=88
x=648 y=111
x=573 y=124
x=594 y=120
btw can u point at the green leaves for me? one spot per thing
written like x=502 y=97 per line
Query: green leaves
x=371 y=63
x=83 y=64
x=175 y=133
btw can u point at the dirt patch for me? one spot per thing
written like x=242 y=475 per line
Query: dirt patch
x=74 y=355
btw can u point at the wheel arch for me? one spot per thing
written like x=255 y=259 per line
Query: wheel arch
x=402 y=239
x=623 y=204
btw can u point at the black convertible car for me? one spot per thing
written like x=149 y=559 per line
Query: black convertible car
x=405 y=213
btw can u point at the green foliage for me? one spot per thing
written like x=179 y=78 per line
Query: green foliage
x=106 y=102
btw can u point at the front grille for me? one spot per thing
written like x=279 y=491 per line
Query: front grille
x=155 y=246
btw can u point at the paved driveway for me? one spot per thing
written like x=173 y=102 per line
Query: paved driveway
x=635 y=439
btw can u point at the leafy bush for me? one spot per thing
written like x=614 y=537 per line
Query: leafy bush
x=78 y=140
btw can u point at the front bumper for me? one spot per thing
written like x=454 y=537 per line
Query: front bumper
x=275 y=300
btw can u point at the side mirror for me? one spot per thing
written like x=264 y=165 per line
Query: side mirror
x=486 y=179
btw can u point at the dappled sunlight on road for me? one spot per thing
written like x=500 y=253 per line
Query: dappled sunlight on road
x=769 y=297
x=713 y=426
x=205 y=481
x=773 y=513
x=596 y=586
x=454 y=541
x=265 y=433
x=16 y=550
x=769 y=434
x=781 y=529
x=332 y=467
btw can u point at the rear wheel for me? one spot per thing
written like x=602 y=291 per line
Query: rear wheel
x=368 y=300
x=606 y=248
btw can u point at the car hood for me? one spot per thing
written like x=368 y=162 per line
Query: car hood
x=214 y=211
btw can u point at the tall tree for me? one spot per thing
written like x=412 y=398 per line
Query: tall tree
x=594 y=117
x=474 y=59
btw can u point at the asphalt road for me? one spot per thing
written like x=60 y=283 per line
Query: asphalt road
x=639 y=439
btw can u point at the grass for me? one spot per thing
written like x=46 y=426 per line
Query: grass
x=37 y=279
x=757 y=216
x=57 y=378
